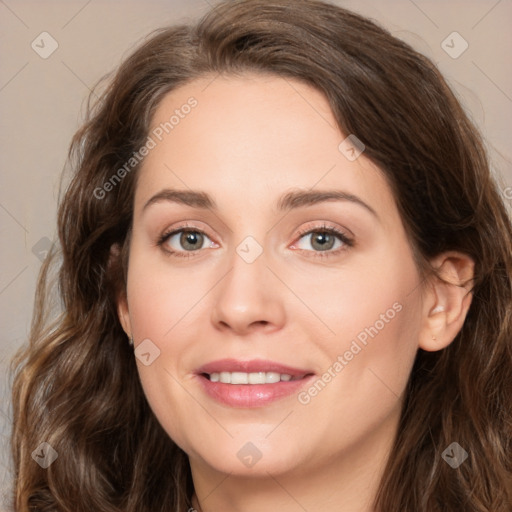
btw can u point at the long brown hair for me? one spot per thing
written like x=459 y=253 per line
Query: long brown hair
x=76 y=385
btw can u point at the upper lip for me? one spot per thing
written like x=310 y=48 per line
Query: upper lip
x=252 y=366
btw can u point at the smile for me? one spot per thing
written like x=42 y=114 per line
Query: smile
x=248 y=384
x=251 y=378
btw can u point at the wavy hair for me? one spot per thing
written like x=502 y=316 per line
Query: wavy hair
x=76 y=384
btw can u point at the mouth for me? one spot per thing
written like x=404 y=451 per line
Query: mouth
x=251 y=378
x=254 y=383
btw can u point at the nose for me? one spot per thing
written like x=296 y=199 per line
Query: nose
x=249 y=298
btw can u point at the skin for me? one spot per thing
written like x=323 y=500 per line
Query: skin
x=249 y=140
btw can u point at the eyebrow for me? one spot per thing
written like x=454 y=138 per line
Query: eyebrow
x=289 y=201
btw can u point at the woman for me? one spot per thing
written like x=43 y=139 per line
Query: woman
x=285 y=284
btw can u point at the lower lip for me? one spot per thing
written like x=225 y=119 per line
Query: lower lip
x=251 y=395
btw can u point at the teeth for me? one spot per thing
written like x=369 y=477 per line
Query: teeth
x=239 y=378
x=250 y=378
x=257 y=378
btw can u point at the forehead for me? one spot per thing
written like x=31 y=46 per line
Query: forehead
x=250 y=138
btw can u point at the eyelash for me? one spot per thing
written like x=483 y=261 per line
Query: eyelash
x=348 y=242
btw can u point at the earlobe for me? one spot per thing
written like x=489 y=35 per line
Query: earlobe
x=124 y=316
x=447 y=301
x=121 y=299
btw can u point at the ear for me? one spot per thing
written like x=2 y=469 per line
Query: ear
x=123 y=312
x=446 y=303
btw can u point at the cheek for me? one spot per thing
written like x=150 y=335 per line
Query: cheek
x=164 y=306
x=160 y=309
x=159 y=297
x=375 y=299
x=374 y=315
x=367 y=365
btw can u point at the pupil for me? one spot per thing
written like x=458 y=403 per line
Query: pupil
x=190 y=238
x=323 y=240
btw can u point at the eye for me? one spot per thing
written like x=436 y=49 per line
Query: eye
x=324 y=239
x=183 y=240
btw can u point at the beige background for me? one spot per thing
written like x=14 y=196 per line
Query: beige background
x=41 y=101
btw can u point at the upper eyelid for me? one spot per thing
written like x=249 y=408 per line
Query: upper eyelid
x=325 y=227
x=171 y=232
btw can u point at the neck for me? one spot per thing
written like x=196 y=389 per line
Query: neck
x=195 y=504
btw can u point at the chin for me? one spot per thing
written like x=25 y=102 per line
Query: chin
x=255 y=458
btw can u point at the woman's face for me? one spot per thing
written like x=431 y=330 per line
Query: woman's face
x=295 y=264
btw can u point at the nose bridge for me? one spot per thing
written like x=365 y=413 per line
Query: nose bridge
x=246 y=296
